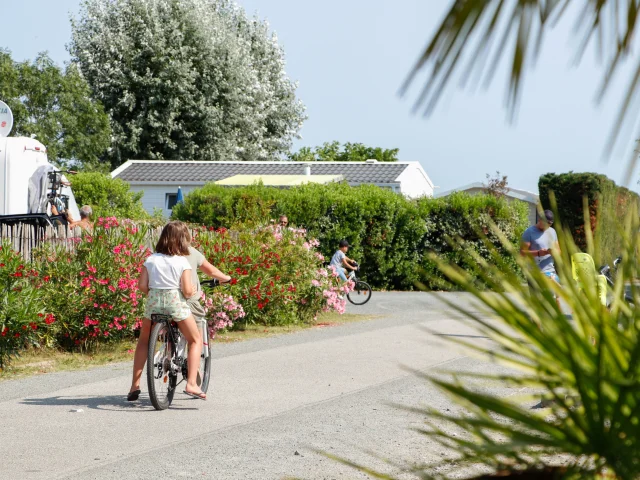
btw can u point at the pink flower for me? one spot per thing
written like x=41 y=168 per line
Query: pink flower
x=315 y=283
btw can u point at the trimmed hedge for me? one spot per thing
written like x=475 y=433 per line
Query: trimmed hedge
x=390 y=235
x=608 y=206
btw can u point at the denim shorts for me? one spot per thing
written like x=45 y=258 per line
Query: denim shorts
x=167 y=302
x=553 y=276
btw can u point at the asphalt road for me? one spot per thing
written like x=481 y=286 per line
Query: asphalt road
x=275 y=403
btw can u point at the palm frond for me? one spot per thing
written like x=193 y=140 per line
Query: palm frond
x=476 y=35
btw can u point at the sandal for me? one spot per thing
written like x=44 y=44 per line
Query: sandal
x=199 y=396
x=133 y=396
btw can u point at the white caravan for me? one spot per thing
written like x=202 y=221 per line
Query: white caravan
x=23 y=174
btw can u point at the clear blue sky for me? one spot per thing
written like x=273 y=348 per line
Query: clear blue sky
x=350 y=58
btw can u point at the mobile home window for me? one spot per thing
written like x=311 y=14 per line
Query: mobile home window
x=171 y=200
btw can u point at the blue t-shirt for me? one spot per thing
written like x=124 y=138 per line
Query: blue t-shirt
x=542 y=240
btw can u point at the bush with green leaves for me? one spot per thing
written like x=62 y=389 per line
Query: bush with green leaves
x=94 y=290
x=461 y=219
x=108 y=197
x=279 y=277
x=22 y=311
x=390 y=234
x=80 y=292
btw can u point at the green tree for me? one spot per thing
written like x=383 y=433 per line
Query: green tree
x=187 y=79
x=109 y=197
x=349 y=152
x=56 y=106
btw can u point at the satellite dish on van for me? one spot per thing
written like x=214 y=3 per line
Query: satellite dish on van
x=6 y=119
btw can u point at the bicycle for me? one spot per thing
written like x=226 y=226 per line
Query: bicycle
x=361 y=292
x=167 y=358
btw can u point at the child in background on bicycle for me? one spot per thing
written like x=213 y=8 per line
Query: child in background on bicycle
x=166 y=280
x=341 y=262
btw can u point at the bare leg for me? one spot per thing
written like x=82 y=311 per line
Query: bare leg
x=189 y=329
x=140 y=357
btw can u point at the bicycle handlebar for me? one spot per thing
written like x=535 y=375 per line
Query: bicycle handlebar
x=214 y=282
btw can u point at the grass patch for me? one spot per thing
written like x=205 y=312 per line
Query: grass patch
x=39 y=361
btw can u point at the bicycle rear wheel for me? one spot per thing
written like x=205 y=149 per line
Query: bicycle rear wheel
x=160 y=378
x=361 y=293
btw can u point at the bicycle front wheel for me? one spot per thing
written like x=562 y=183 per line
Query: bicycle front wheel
x=161 y=380
x=204 y=374
x=361 y=293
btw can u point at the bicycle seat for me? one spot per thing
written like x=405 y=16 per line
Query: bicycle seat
x=160 y=317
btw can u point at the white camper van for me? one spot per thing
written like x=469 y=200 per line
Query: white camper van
x=24 y=180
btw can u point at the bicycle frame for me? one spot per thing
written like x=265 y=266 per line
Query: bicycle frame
x=176 y=362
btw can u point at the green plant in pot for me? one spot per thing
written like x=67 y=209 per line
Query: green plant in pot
x=583 y=362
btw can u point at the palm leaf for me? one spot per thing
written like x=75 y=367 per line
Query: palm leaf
x=476 y=35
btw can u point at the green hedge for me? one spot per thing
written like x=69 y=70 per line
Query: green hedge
x=608 y=205
x=108 y=197
x=390 y=235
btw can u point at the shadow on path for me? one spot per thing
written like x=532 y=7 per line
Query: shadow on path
x=461 y=336
x=103 y=402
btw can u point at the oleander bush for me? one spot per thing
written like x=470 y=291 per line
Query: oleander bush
x=279 y=277
x=80 y=294
x=23 y=318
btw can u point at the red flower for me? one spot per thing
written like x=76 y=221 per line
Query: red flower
x=1 y=264
x=233 y=281
x=46 y=278
x=260 y=306
x=17 y=335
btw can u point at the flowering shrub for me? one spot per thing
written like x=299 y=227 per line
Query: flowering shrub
x=278 y=275
x=221 y=311
x=95 y=291
x=21 y=311
x=80 y=298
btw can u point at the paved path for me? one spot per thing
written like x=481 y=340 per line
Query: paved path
x=325 y=388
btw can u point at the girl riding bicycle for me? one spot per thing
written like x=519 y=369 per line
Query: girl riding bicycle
x=166 y=279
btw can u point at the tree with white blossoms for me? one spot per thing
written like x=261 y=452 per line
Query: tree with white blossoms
x=186 y=79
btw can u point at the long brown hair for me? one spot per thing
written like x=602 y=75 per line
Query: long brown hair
x=174 y=239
